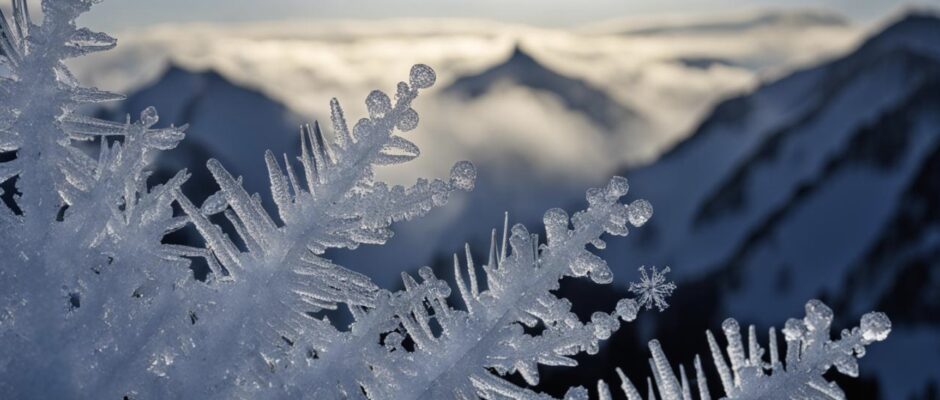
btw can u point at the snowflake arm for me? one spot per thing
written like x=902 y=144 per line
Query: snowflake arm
x=40 y=96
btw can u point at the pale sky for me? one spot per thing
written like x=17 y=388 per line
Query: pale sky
x=124 y=14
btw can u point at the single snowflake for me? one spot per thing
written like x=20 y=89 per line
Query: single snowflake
x=653 y=289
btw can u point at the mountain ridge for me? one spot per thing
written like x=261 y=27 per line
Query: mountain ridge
x=738 y=22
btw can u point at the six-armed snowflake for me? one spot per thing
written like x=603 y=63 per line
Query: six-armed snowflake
x=653 y=289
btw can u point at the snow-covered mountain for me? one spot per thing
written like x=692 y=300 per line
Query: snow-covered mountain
x=821 y=184
x=226 y=121
x=523 y=70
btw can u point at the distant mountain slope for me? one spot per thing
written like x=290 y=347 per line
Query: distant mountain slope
x=523 y=70
x=902 y=267
x=713 y=183
x=799 y=19
x=229 y=122
x=816 y=185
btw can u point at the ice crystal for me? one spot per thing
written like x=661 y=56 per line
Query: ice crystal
x=96 y=303
x=653 y=289
x=810 y=354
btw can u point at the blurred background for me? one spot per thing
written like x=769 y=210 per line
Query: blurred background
x=791 y=149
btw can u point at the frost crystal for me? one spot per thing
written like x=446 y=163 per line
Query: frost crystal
x=810 y=354
x=96 y=303
x=639 y=212
x=653 y=289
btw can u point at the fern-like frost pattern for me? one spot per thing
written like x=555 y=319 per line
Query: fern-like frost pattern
x=96 y=303
x=758 y=373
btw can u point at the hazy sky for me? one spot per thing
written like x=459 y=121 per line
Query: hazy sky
x=121 y=14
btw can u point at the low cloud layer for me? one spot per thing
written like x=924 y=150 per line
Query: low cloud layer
x=671 y=79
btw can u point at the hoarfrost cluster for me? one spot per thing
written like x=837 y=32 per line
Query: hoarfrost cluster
x=95 y=303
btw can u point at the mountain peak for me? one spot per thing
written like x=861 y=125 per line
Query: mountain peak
x=234 y=121
x=523 y=70
x=175 y=71
x=520 y=56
